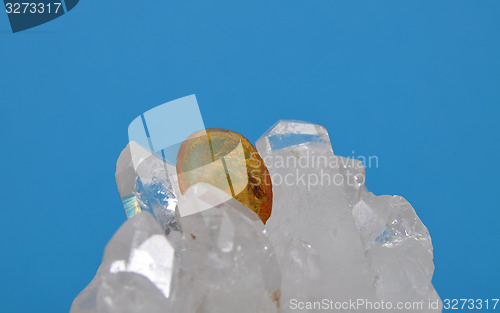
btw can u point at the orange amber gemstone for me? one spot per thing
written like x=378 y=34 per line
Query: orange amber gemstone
x=228 y=161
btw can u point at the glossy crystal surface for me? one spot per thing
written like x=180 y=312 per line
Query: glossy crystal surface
x=135 y=274
x=144 y=185
x=228 y=161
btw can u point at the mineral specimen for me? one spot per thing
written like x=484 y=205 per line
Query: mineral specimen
x=327 y=237
x=230 y=162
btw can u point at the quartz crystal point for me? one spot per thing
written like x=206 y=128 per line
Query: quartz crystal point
x=324 y=249
x=227 y=263
x=398 y=247
x=397 y=243
x=144 y=185
x=135 y=274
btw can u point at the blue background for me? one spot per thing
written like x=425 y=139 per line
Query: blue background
x=416 y=83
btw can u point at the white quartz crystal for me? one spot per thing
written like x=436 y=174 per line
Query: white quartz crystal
x=312 y=217
x=398 y=247
x=144 y=184
x=225 y=263
x=135 y=274
x=320 y=199
x=328 y=241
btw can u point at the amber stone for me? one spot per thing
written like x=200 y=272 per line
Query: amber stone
x=228 y=161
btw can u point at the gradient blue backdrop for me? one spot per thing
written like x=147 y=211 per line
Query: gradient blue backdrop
x=416 y=83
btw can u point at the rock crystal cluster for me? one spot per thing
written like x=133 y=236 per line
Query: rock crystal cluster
x=328 y=244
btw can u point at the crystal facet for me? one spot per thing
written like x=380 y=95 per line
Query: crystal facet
x=135 y=274
x=398 y=247
x=144 y=185
x=228 y=161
